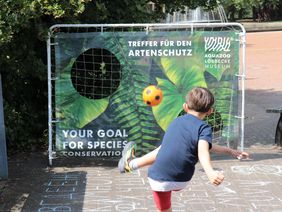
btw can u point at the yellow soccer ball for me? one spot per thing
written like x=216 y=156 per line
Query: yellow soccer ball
x=152 y=95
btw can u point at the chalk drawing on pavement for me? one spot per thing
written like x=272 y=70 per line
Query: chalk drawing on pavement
x=259 y=169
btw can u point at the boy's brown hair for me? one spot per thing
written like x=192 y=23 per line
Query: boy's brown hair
x=200 y=99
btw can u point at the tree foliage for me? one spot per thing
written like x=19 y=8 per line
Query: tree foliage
x=258 y=10
x=23 y=29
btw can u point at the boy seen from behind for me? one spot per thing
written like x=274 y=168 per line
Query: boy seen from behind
x=187 y=140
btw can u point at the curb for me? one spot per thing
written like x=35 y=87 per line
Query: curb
x=262 y=26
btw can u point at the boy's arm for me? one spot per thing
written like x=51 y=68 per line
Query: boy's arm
x=225 y=150
x=215 y=177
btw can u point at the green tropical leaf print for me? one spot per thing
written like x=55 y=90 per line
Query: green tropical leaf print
x=72 y=109
x=183 y=76
x=225 y=92
x=171 y=104
x=127 y=105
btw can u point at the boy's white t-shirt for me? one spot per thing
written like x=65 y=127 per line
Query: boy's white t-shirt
x=166 y=185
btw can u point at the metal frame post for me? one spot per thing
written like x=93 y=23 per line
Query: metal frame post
x=3 y=149
x=243 y=77
x=50 y=130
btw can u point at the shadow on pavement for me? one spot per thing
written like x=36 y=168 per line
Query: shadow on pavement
x=107 y=163
x=260 y=126
x=33 y=186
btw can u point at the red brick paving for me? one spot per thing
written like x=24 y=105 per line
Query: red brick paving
x=264 y=61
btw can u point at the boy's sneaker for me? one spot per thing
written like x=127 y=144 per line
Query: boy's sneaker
x=128 y=153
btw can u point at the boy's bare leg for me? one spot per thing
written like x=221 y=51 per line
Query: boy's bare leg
x=129 y=162
x=147 y=159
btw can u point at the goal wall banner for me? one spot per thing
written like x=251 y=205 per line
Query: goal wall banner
x=100 y=77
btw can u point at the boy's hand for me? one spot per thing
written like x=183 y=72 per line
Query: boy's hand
x=215 y=177
x=239 y=154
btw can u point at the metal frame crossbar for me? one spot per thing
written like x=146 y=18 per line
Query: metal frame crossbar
x=146 y=27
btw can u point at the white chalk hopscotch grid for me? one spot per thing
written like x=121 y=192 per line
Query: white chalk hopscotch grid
x=258 y=169
x=102 y=190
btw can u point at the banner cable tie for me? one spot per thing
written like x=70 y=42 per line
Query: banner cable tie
x=55 y=121
x=240 y=117
x=243 y=76
x=53 y=155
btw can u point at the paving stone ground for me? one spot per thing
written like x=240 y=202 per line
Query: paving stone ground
x=249 y=186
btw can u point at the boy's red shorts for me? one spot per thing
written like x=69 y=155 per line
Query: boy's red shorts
x=162 y=199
